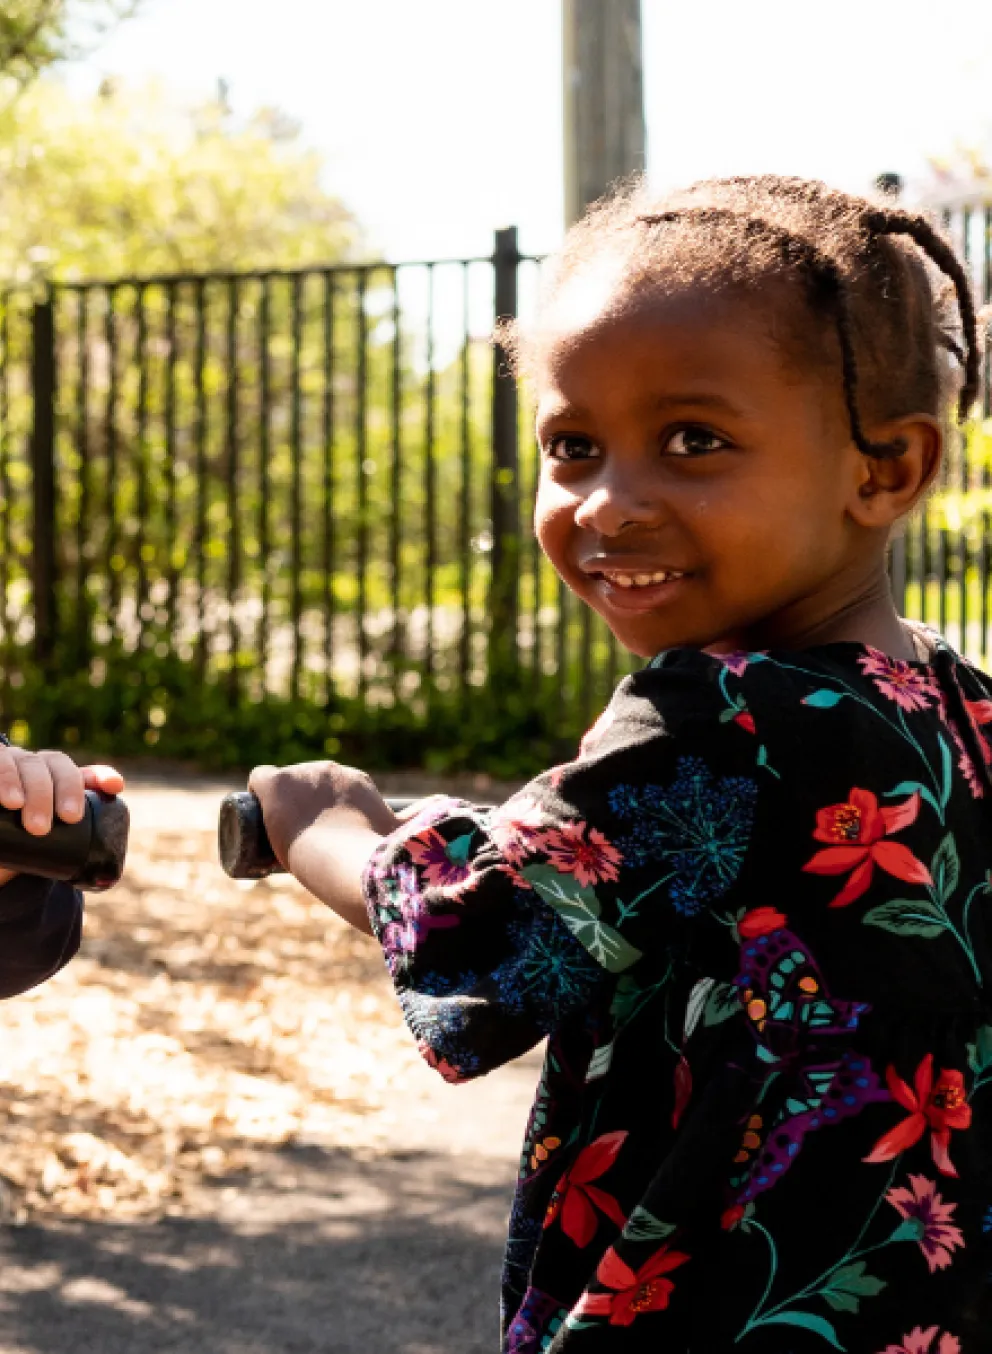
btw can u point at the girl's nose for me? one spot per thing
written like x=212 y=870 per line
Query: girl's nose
x=610 y=507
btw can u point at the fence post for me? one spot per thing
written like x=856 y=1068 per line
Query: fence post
x=505 y=512
x=43 y=478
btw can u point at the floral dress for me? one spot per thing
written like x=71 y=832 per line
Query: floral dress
x=754 y=920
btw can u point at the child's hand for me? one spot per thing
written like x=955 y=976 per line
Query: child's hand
x=45 y=785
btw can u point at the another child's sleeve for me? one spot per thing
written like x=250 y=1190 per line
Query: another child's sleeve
x=40 y=927
x=497 y=925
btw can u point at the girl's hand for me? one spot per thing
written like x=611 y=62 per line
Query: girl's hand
x=46 y=785
x=324 y=821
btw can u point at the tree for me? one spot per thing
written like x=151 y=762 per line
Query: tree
x=128 y=183
x=35 y=34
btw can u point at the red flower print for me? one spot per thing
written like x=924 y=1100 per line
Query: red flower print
x=940 y=1106
x=515 y=827
x=760 y=921
x=581 y=850
x=980 y=712
x=447 y=1070
x=431 y=852
x=856 y=830
x=922 y=1205
x=631 y=1292
x=683 y=1090
x=732 y=1216
x=920 y=1341
x=576 y=1198
x=900 y=682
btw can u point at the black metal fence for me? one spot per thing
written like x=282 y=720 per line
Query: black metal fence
x=314 y=487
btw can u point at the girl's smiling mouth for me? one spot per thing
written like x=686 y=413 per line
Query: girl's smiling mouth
x=633 y=588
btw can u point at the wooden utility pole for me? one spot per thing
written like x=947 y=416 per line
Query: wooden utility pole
x=603 y=98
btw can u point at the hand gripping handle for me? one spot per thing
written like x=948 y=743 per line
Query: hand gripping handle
x=89 y=854
x=242 y=841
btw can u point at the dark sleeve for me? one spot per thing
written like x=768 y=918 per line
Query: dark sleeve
x=40 y=927
x=497 y=925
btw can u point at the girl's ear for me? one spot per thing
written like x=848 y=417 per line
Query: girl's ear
x=889 y=488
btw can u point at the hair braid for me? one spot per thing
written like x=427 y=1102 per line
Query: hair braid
x=824 y=270
x=882 y=221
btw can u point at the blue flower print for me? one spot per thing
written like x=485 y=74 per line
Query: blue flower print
x=698 y=827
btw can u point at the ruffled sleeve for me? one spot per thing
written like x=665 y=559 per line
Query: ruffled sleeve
x=498 y=925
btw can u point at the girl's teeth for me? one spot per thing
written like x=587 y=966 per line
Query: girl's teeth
x=641 y=580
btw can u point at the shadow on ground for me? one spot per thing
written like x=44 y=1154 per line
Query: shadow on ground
x=324 y=1251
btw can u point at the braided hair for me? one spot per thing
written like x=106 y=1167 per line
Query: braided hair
x=865 y=273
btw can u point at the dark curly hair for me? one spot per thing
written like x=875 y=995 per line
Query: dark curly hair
x=858 y=281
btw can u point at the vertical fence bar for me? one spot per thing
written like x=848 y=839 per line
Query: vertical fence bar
x=264 y=454
x=296 y=455
x=82 y=636
x=200 y=529
x=43 y=388
x=985 y=545
x=395 y=487
x=361 y=474
x=5 y=504
x=171 y=544
x=465 y=498
x=141 y=462
x=430 y=490
x=233 y=482
x=114 y=573
x=328 y=431
x=505 y=470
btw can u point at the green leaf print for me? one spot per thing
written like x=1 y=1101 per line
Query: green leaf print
x=946 y=869
x=848 y=1285
x=579 y=909
x=946 y=768
x=908 y=917
x=807 y=1321
x=980 y=1052
x=824 y=699
x=458 y=850
x=696 y=1005
x=722 y=1003
x=908 y=787
x=644 y=1226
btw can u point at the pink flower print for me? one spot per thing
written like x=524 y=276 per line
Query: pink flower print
x=444 y=863
x=582 y=851
x=922 y=1205
x=515 y=827
x=447 y=1070
x=920 y=1341
x=966 y=765
x=403 y=936
x=898 y=681
x=735 y=662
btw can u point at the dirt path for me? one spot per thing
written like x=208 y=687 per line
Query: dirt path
x=288 y=1176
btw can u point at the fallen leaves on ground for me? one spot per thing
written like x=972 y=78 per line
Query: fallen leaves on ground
x=204 y=1022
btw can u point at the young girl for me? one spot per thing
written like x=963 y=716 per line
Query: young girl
x=754 y=917
x=41 y=921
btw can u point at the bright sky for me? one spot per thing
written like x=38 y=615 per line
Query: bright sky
x=441 y=119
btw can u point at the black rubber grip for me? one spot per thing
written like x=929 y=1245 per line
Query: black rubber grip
x=89 y=854
x=242 y=841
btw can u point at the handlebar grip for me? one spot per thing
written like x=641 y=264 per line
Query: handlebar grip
x=242 y=841
x=89 y=854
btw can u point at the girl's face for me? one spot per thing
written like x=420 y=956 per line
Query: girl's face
x=694 y=487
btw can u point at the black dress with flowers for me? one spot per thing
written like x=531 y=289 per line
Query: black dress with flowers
x=754 y=920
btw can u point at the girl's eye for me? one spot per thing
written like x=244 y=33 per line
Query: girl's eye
x=569 y=447
x=694 y=442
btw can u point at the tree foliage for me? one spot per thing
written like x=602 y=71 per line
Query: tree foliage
x=128 y=183
x=35 y=34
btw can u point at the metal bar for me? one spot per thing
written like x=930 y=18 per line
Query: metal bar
x=430 y=488
x=503 y=603
x=395 y=497
x=200 y=531
x=296 y=535
x=328 y=430
x=465 y=503
x=264 y=454
x=110 y=440
x=85 y=473
x=5 y=489
x=361 y=471
x=233 y=483
x=141 y=464
x=43 y=388
x=225 y=275
x=172 y=577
